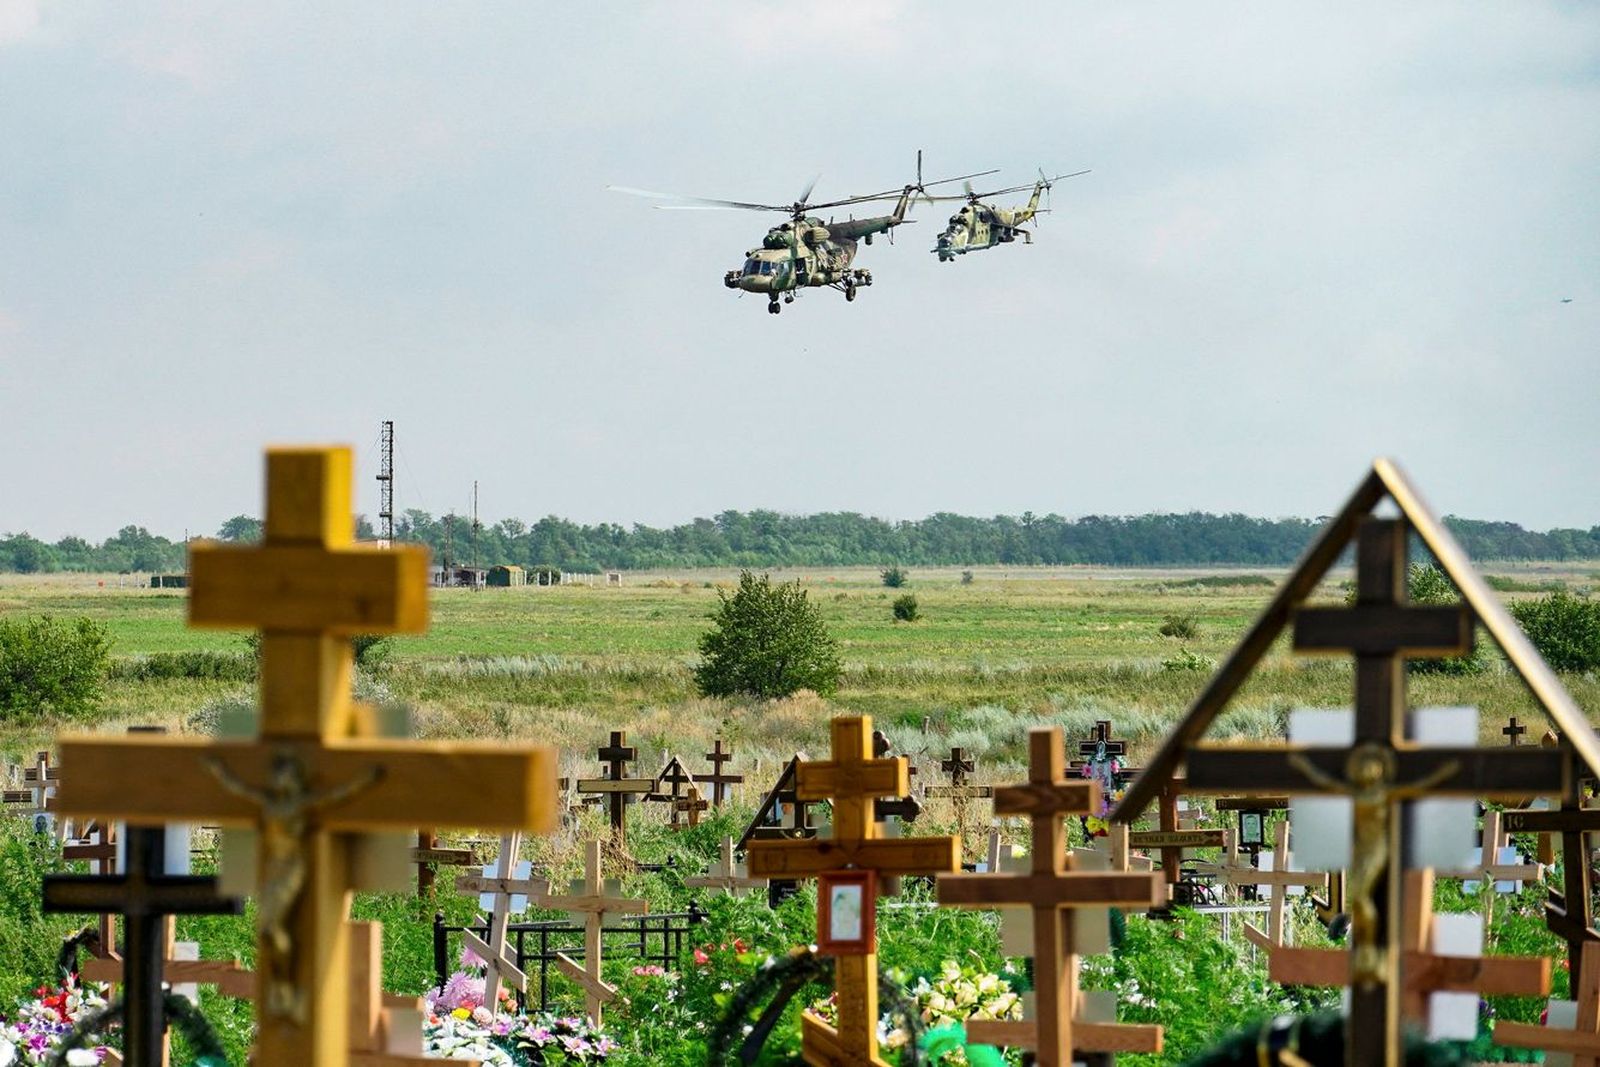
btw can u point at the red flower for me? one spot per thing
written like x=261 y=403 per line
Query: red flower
x=700 y=957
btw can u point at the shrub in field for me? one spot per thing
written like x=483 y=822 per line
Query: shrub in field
x=905 y=608
x=49 y=667
x=1429 y=584
x=1564 y=628
x=768 y=641
x=1185 y=626
x=894 y=576
x=966 y=577
x=206 y=666
x=1186 y=660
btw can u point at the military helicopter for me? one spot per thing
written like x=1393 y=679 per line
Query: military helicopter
x=978 y=226
x=806 y=252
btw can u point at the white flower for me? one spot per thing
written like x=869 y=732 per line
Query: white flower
x=8 y=1053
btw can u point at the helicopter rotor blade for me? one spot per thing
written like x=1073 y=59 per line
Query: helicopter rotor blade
x=697 y=200
x=805 y=194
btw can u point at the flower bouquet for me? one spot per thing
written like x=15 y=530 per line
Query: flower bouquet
x=460 y=1026
x=31 y=1034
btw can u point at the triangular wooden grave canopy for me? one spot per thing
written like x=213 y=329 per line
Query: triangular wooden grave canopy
x=1381 y=630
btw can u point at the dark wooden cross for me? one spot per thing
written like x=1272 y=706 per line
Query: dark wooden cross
x=1089 y=747
x=905 y=808
x=617 y=788
x=720 y=781
x=958 y=765
x=1513 y=730
x=1381 y=769
x=1568 y=911
x=144 y=896
x=1051 y=889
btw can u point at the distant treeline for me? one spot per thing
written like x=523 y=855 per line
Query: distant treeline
x=833 y=539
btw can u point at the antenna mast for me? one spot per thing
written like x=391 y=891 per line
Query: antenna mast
x=386 y=486
x=476 y=525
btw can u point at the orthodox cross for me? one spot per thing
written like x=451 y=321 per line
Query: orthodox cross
x=1493 y=868
x=1278 y=881
x=428 y=855
x=1582 y=1041
x=958 y=766
x=1100 y=745
x=1513 y=730
x=719 y=779
x=1051 y=889
x=1424 y=970
x=727 y=875
x=851 y=779
x=592 y=898
x=693 y=805
x=616 y=788
x=99 y=848
x=503 y=888
x=1171 y=838
x=676 y=775
x=144 y=895
x=317 y=775
x=42 y=781
x=1568 y=911
x=1383 y=767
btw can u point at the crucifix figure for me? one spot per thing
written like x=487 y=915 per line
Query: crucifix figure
x=1385 y=758
x=317 y=776
x=855 y=855
x=144 y=895
x=720 y=780
x=616 y=788
x=1050 y=890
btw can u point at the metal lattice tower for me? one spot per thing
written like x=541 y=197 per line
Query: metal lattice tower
x=386 y=486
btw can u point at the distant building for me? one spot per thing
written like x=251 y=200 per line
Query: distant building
x=458 y=577
x=507 y=575
x=169 y=581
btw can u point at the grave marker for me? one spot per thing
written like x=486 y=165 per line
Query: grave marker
x=503 y=888
x=719 y=779
x=727 y=875
x=1050 y=891
x=1383 y=767
x=592 y=898
x=316 y=775
x=616 y=789
x=1581 y=1043
x=428 y=855
x=847 y=865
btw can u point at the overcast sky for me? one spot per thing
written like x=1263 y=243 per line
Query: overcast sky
x=1313 y=234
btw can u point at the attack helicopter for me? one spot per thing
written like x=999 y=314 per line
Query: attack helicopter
x=978 y=225
x=806 y=252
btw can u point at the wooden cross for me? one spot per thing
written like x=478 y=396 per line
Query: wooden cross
x=720 y=781
x=1568 y=912
x=616 y=788
x=385 y=1031
x=1280 y=878
x=592 y=899
x=43 y=782
x=958 y=766
x=503 y=887
x=428 y=855
x=852 y=779
x=317 y=774
x=1513 y=729
x=1582 y=1042
x=1382 y=768
x=676 y=775
x=144 y=895
x=1172 y=839
x=727 y=875
x=1051 y=890
x=1423 y=970
x=1490 y=871
x=99 y=848
x=692 y=805
x=1099 y=745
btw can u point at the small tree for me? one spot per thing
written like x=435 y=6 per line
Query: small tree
x=51 y=668
x=1185 y=626
x=1564 y=628
x=895 y=576
x=905 y=608
x=768 y=641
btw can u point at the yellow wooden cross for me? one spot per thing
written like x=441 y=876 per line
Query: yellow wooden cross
x=1582 y=1042
x=852 y=779
x=1051 y=890
x=317 y=774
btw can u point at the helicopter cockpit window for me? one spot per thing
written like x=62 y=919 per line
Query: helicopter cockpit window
x=752 y=266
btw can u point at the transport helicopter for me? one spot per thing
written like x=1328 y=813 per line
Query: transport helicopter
x=978 y=225
x=806 y=252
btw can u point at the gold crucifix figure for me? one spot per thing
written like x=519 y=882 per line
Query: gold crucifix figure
x=286 y=806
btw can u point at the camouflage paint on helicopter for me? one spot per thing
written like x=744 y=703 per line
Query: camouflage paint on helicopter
x=806 y=252
x=978 y=226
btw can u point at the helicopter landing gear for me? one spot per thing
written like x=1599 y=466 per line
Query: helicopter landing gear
x=788 y=298
x=773 y=306
x=849 y=291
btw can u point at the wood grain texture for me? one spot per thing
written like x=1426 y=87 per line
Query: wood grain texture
x=360 y=589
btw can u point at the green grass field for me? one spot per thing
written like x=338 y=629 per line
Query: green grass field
x=566 y=665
